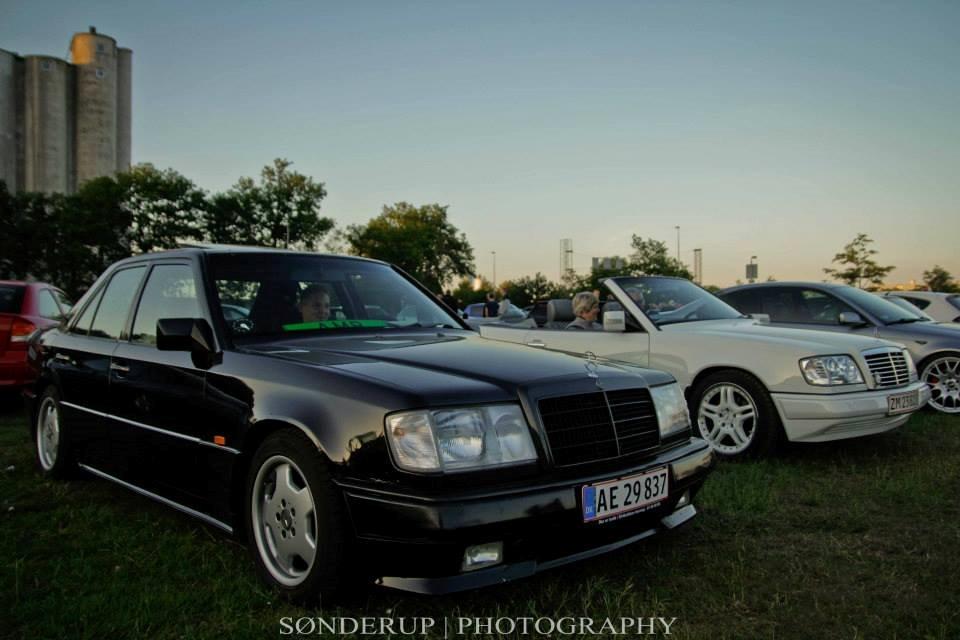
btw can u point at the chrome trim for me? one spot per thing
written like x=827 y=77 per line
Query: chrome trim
x=119 y=367
x=692 y=464
x=170 y=503
x=134 y=423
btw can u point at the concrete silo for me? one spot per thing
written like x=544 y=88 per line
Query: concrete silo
x=95 y=59
x=124 y=107
x=48 y=124
x=11 y=120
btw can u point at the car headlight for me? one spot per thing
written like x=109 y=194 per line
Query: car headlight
x=671 y=406
x=826 y=371
x=460 y=439
x=911 y=366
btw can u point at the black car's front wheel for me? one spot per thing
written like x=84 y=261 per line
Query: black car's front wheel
x=296 y=521
x=52 y=448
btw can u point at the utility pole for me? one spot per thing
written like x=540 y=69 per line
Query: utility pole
x=678 y=243
x=494 y=253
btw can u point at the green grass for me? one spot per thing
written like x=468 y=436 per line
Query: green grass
x=854 y=539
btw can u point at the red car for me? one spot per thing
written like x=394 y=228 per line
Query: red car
x=25 y=308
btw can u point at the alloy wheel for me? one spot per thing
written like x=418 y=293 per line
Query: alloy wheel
x=727 y=418
x=943 y=376
x=48 y=433
x=284 y=520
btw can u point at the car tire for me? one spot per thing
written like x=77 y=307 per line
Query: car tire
x=733 y=412
x=941 y=372
x=51 y=443
x=296 y=520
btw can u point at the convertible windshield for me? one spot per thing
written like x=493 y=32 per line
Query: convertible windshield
x=672 y=300
x=276 y=293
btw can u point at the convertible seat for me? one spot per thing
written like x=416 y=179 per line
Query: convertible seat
x=559 y=313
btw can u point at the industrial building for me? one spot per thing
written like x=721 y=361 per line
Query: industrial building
x=63 y=123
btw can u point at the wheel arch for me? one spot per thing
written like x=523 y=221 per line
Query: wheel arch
x=258 y=432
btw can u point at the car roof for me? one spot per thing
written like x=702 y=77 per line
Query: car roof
x=22 y=283
x=922 y=294
x=784 y=283
x=194 y=250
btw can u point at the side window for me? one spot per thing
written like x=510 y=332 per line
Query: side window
x=745 y=301
x=82 y=326
x=821 y=308
x=47 y=306
x=778 y=303
x=115 y=305
x=64 y=301
x=919 y=303
x=171 y=292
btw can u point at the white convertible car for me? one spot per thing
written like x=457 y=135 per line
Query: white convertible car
x=747 y=383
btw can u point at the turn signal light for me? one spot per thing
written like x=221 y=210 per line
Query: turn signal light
x=220 y=440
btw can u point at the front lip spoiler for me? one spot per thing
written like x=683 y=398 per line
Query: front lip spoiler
x=508 y=573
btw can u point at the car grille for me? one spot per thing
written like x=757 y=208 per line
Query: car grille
x=888 y=368
x=599 y=426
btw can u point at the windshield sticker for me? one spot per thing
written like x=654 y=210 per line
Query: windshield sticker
x=335 y=324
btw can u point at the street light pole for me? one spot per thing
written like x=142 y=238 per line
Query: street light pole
x=494 y=253
x=678 y=243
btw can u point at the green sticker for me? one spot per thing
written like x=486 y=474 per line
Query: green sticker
x=334 y=324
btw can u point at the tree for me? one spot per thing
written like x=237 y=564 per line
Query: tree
x=281 y=210
x=526 y=290
x=469 y=290
x=166 y=208
x=939 y=279
x=860 y=265
x=420 y=240
x=652 y=258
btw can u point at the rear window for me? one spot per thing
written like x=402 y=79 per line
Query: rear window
x=11 y=298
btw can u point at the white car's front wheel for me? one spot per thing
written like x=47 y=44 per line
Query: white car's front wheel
x=734 y=414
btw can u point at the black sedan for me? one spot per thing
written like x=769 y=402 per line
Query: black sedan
x=352 y=429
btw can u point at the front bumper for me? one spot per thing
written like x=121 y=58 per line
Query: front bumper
x=417 y=543
x=818 y=418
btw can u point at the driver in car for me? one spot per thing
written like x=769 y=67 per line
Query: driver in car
x=314 y=303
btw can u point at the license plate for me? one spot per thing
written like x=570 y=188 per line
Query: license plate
x=903 y=403
x=609 y=500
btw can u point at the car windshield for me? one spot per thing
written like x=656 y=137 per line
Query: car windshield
x=291 y=294
x=908 y=306
x=880 y=308
x=674 y=300
x=954 y=301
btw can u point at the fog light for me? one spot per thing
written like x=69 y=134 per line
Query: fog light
x=684 y=500
x=482 y=555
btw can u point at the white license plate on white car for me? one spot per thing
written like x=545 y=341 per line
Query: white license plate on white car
x=903 y=403
x=608 y=500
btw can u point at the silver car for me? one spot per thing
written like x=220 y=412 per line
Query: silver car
x=935 y=346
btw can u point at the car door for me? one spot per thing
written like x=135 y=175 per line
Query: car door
x=81 y=366
x=159 y=395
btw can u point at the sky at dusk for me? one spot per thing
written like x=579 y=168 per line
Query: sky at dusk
x=773 y=129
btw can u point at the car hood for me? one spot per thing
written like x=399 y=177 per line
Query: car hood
x=748 y=330
x=947 y=331
x=417 y=361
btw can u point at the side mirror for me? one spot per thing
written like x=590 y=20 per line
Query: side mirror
x=761 y=318
x=615 y=321
x=193 y=335
x=851 y=318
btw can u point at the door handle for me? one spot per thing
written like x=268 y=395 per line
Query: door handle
x=537 y=343
x=119 y=368
x=63 y=358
